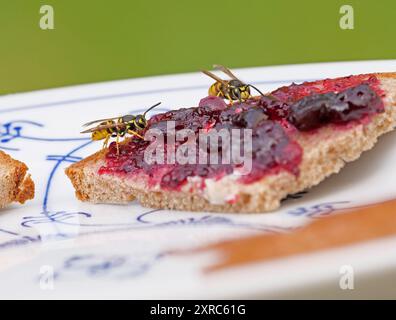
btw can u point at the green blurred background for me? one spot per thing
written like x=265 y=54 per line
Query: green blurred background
x=105 y=40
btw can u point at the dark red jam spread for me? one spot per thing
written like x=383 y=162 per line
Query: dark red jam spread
x=295 y=92
x=271 y=121
x=352 y=104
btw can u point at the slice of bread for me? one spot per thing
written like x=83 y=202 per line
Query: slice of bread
x=15 y=184
x=325 y=152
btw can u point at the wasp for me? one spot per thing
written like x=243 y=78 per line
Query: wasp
x=118 y=127
x=233 y=89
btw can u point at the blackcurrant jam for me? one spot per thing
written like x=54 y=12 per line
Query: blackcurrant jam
x=303 y=107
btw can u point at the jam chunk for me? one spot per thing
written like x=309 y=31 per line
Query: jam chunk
x=313 y=111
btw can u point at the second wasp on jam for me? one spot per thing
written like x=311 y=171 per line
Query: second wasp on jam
x=233 y=89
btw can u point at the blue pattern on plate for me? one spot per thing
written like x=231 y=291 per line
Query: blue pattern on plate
x=13 y=130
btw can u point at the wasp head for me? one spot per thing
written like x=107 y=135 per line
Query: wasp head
x=244 y=92
x=239 y=90
x=141 y=122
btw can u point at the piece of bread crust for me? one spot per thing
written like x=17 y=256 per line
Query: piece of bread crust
x=15 y=184
x=324 y=153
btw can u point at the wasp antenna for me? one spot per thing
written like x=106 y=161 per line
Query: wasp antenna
x=264 y=95
x=255 y=88
x=151 y=108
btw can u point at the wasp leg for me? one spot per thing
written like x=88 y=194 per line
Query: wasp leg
x=230 y=99
x=117 y=144
x=238 y=94
x=106 y=142
x=134 y=133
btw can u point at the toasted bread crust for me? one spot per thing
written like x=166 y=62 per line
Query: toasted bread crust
x=325 y=153
x=16 y=184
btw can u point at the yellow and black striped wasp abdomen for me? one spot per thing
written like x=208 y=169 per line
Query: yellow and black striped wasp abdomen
x=104 y=131
x=217 y=90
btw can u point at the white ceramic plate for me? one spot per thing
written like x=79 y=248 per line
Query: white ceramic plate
x=58 y=247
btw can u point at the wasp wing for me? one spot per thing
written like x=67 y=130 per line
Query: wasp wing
x=103 y=127
x=98 y=120
x=213 y=76
x=227 y=71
